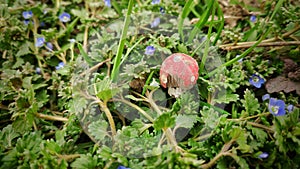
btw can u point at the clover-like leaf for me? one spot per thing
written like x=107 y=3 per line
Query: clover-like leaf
x=164 y=121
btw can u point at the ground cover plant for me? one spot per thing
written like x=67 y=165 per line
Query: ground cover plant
x=149 y=84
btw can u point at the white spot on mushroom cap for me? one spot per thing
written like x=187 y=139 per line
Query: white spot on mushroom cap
x=177 y=58
x=193 y=78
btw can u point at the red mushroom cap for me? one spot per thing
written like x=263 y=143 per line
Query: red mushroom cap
x=179 y=70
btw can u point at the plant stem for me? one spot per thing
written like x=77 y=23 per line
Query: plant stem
x=250 y=117
x=224 y=151
x=104 y=108
x=143 y=112
x=94 y=68
x=68 y=157
x=116 y=66
x=231 y=46
x=260 y=126
x=52 y=118
x=85 y=38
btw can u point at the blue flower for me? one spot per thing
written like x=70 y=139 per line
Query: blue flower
x=256 y=81
x=27 y=14
x=155 y=22
x=263 y=155
x=265 y=97
x=107 y=3
x=162 y=10
x=290 y=108
x=38 y=70
x=42 y=24
x=149 y=50
x=26 y=22
x=40 y=42
x=49 y=46
x=276 y=107
x=64 y=17
x=72 y=40
x=122 y=167
x=155 y=2
x=240 y=60
x=253 y=18
x=60 y=65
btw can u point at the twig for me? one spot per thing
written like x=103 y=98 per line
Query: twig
x=52 y=118
x=249 y=44
x=260 y=126
x=68 y=157
x=143 y=112
x=85 y=38
x=264 y=44
x=224 y=151
x=94 y=67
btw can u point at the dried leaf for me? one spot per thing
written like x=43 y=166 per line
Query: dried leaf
x=281 y=83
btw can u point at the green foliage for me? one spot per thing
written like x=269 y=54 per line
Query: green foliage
x=164 y=121
x=62 y=117
x=250 y=103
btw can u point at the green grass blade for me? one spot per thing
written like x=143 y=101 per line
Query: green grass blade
x=220 y=28
x=246 y=52
x=85 y=55
x=206 y=49
x=202 y=21
x=117 y=61
x=185 y=12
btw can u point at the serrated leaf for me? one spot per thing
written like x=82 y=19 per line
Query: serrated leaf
x=60 y=137
x=7 y=135
x=26 y=82
x=98 y=129
x=164 y=121
x=186 y=121
x=209 y=117
x=23 y=50
x=250 y=103
x=260 y=134
x=85 y=162
x=78 y=104
x=226 y=98
x=241 y=161
x=105 y=90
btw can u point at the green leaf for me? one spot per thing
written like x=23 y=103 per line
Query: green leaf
x=26 y=82
x=86 y=161
x=68 y=29
x=210 y=118
x=250 y=103
x=164 y=121
x=60 y=137
x=104 y=89
x=186 y=121
x=260 y=134
x=226 y=98
x=7 y=135
x=98 y=129
x=240 y=136
x=85 y=55
x=241 y=162
x=23 y=49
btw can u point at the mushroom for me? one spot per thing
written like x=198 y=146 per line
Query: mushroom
x=178 y=73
